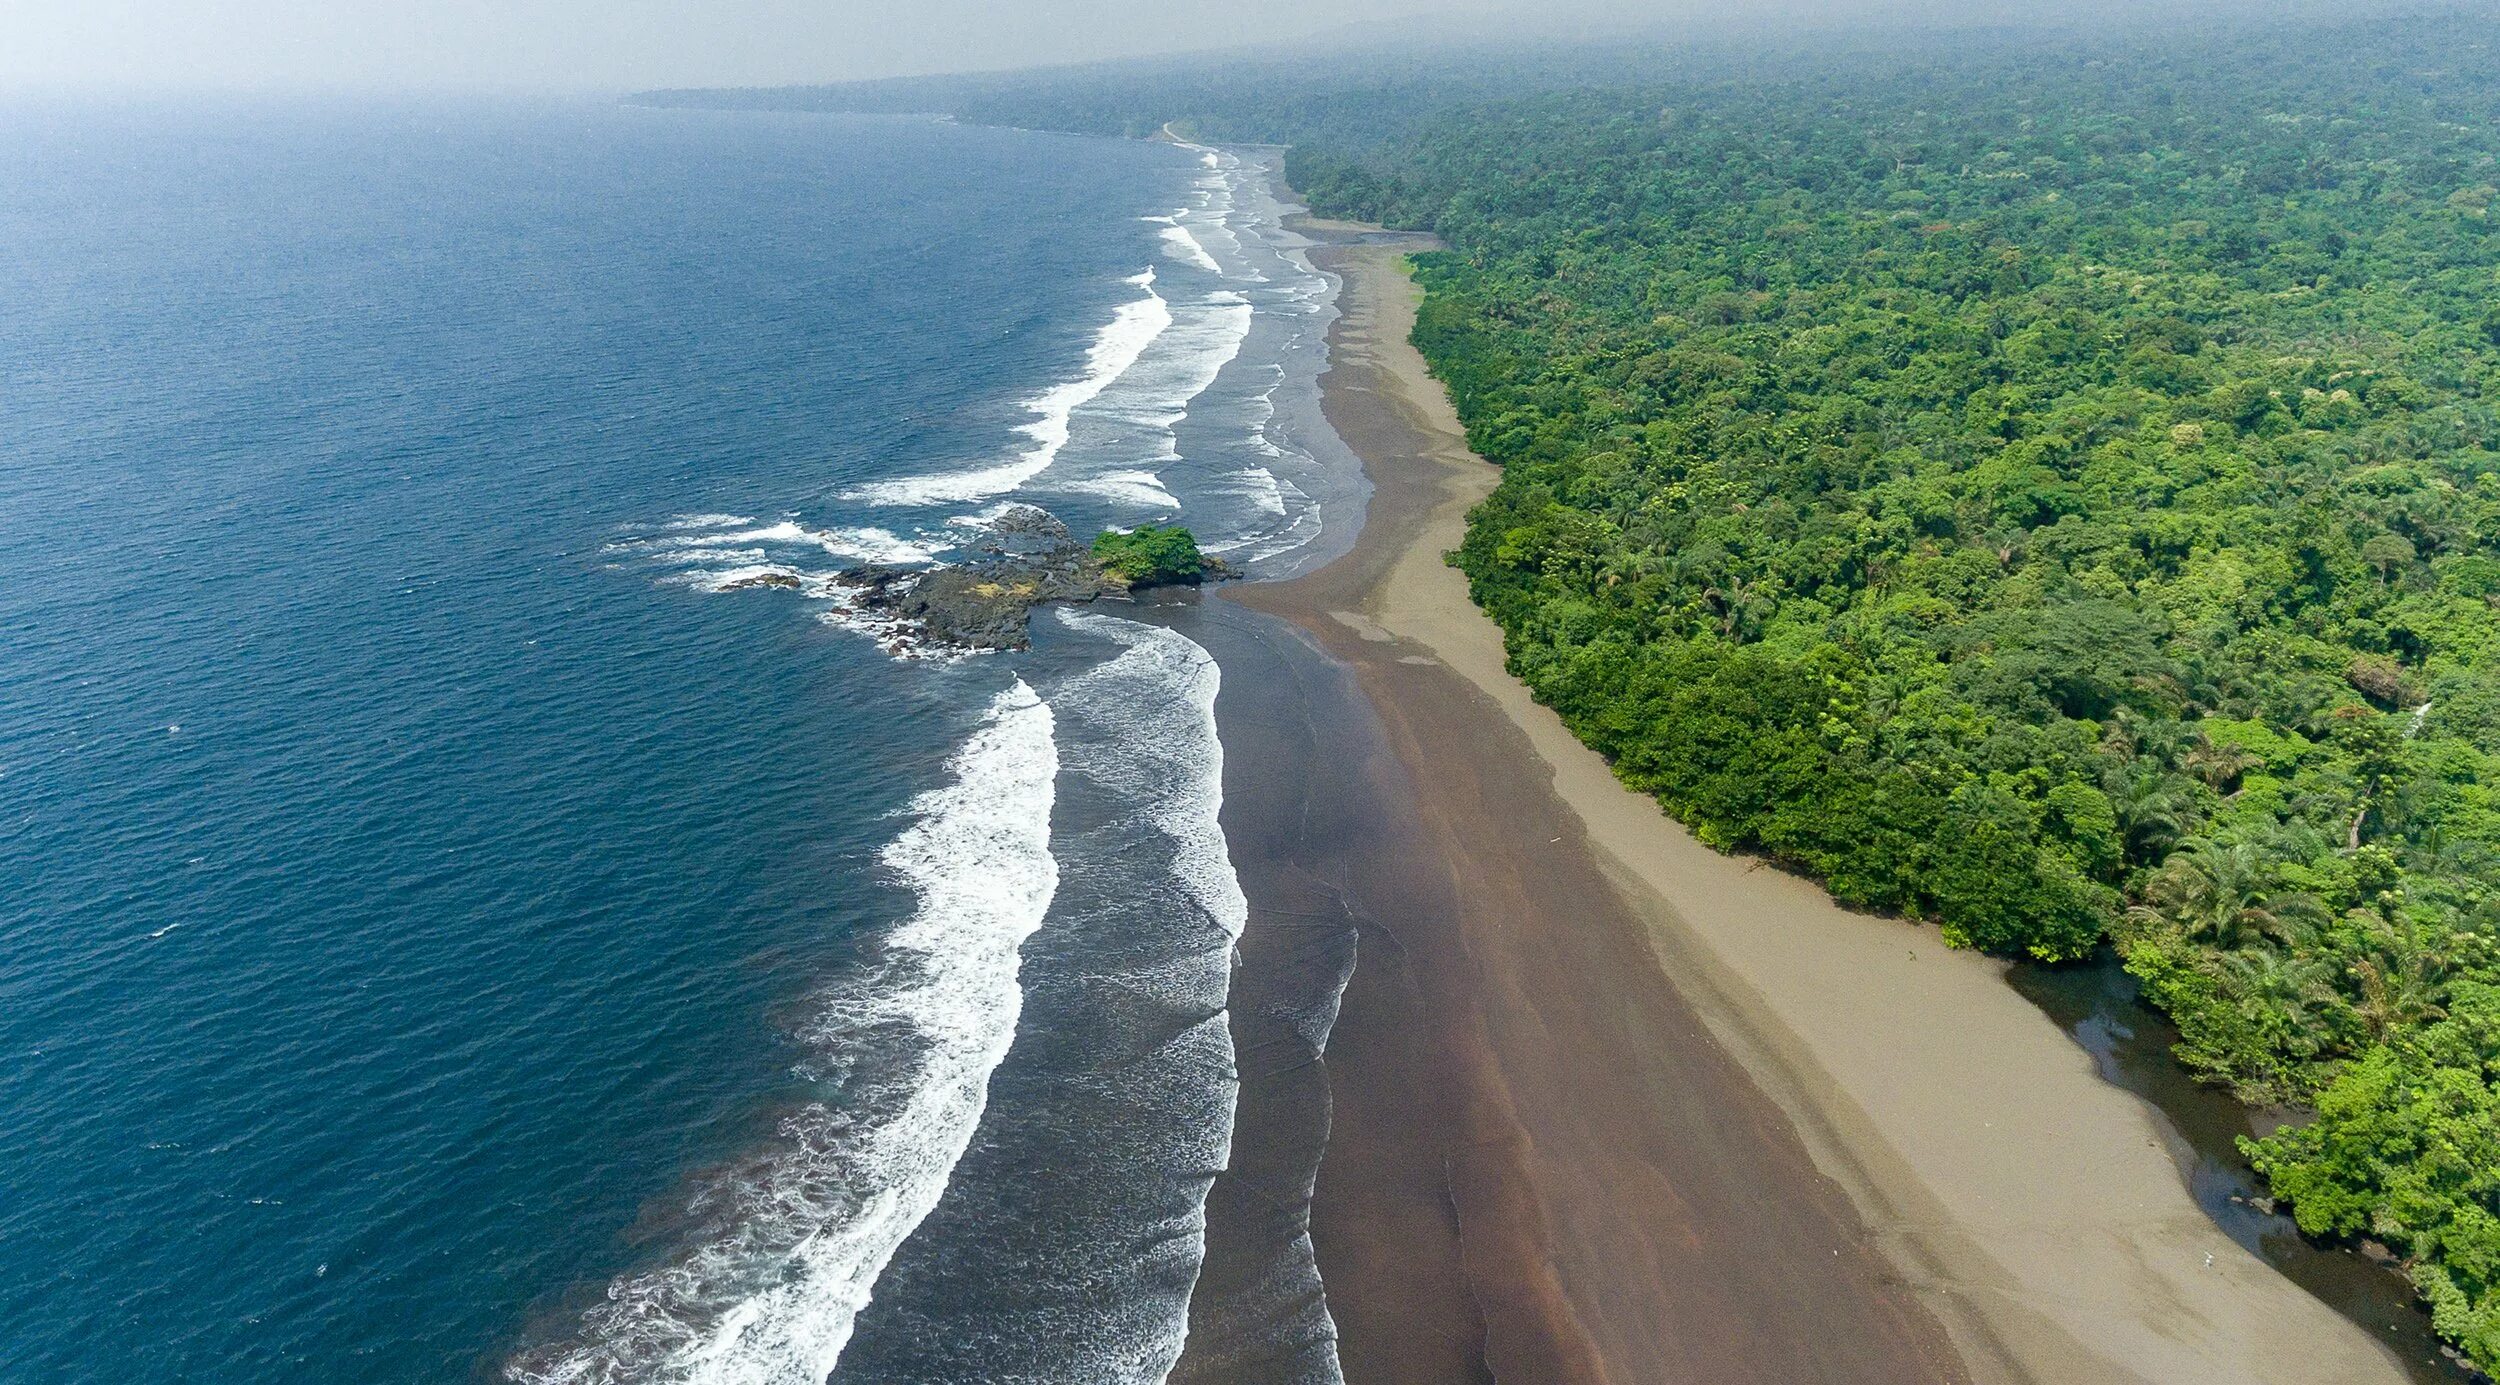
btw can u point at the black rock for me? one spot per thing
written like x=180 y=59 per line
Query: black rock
x=786 y=581
x=1030 y=557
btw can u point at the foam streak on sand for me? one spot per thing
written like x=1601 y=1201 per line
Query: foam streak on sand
x=1216 y=195
x=1267 y=492
x=792 y=1241
x=1133 y=327
x=1175 y=763
x=1151 y=732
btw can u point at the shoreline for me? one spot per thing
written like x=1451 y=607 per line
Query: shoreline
x=1318 y=815
x=1702 y=1123
x=1521 y=1098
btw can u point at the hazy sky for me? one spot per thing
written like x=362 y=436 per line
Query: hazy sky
x=576 y=44
x=607 y=43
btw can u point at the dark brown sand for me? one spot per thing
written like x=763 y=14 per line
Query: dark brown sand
x=1543 y=1167
x=1610 y=1106
x=1322 y=827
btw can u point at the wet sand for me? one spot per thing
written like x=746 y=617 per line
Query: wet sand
x=1610 y=1106
x=1543 y=1166
x=1321 y=823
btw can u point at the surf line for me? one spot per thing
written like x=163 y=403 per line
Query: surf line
x=798 y=1236
x=1134 y=326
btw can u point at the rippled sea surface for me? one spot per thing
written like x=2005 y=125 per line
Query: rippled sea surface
x=443 y=933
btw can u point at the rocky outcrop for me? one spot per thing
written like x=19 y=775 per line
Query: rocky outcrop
x=1026 y=557
x=1023 y=558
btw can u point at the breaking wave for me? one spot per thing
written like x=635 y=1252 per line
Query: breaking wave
x=1189 y=248
x=792 y=1240
x=1175 y=762
x=1133 y=327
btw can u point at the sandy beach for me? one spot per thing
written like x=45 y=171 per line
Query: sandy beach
x=1611 y=1106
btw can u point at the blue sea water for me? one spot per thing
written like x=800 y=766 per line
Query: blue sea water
x=445 y=933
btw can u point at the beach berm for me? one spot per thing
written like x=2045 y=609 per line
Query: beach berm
x=1707 y=1124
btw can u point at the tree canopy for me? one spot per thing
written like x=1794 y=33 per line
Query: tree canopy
x=2051 y=487
x=1150 y=555
x=2060 y=500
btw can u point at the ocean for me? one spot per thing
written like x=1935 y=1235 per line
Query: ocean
x=450 y=925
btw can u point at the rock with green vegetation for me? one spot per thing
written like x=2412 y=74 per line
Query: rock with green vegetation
x=1026 y=557
x=1152 y=556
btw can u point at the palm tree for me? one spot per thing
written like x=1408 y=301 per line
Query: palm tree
x=2153 y=808
x=2438 y=852
x=2401 y=975
x=2293 y=984
x=2227 y=894
x=2294 y=841
x=2221 y=766
x=1737 y=605
x=2430 y=515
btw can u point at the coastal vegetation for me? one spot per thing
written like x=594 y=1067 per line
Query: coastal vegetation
x=2062 y=503
x=1150 y=555
x=1026 y=558
x=2049 y=486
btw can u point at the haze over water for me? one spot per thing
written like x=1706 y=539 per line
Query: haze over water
x=428 y=902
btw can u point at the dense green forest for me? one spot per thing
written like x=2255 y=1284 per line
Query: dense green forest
x=1150 y=556
x=2047 y=486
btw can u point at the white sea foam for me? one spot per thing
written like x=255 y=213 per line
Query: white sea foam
x=1264 y=490
x=1280 y=498
x=1217 y=192
x=1155 y=398
x=1141 y=490
x=872 y=544
x=865 y=543
x=707 y=522
x=1305 y=527
x=783 y=531
x=1133 y=327
x=844 y=611
x=984 y=518
x=1181 y=242
x=720 y=552
x=1171 y=758
x=1142 y=728
x=705 y=556
x=796 y=1238
x=722 y=579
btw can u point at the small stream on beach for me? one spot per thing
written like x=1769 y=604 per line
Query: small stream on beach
x=2099 y=1005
